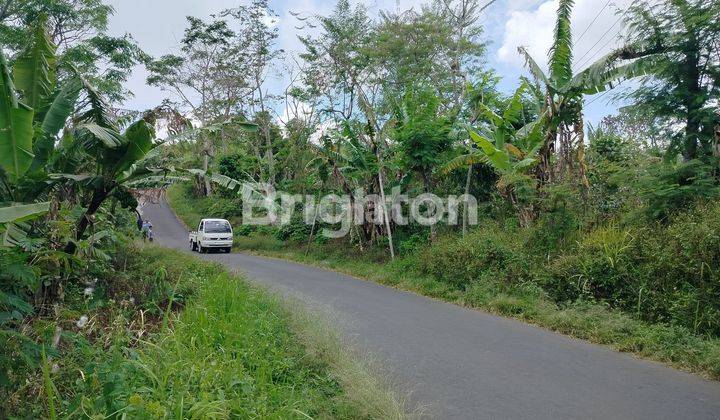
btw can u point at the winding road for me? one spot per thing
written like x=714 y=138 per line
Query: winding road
x=467 y=364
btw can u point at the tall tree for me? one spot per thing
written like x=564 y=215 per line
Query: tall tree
x=196 y=77
x=260 y=36
x=79 y=29
x=422 y=133
x=221 y=73
x=685 y=83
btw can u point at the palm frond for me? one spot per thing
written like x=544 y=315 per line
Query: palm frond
x=492 y=117
x=34 y=69
x=500 y=159
x=98 y=111
x=608 y=71
x=20 y=212
x=514 y=110
x=226 y=182
x=108 y=136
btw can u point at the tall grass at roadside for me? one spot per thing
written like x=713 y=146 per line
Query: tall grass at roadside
x=214 y=347
x=235 y=351
x=238 y=351
x=594 y=322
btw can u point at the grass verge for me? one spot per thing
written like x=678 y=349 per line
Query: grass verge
x=215 y=348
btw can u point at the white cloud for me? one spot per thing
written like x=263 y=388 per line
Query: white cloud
x=299 y=110
x=531 y=25
x=529 y=28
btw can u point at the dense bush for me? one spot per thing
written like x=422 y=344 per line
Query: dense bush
x=296 y=230
x=560 y=216
x=658 y=272
x=661 y=273
x=133 y=355
x=669 y=188
x=489 y=252
x=597 y=267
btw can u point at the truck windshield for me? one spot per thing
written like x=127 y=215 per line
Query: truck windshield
x=215 y=226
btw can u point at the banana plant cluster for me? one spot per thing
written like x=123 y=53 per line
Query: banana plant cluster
x=509 y=151
x=92 y=153
x=563 y=94
x=33 y=109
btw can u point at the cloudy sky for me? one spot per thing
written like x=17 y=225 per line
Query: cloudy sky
x=158 y=26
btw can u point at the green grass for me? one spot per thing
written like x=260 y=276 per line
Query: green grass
x=188 y=211
x=676 y=346
x=225 y=350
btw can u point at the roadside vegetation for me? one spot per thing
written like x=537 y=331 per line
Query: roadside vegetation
x=607 y=231
x=93 y=325
x=162 y=334
x=494 y=269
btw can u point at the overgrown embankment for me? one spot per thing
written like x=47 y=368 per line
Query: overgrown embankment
x=638 y=289
x=163 y=334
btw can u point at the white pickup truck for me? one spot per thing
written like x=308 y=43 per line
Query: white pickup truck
x=212 y=234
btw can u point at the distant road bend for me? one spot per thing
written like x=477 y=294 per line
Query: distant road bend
x=468 y=364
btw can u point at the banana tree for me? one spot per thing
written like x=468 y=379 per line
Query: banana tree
x=509 y=151
x=13 y=215
x=120 y=159
x=563 y=95
x=33 y=109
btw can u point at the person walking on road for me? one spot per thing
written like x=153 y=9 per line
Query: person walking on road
x=147 y=232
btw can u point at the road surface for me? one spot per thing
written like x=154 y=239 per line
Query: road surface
x=467 y=364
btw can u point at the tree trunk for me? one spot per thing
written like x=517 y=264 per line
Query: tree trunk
x=206 y=165
x=206 y=179
x=426 y=187
x=98 y=197
x=266 y=133
x=544 y=169
x=692 y=131
x=467 y=192
x=582 y=167
x=693 y=106
x=384 y=210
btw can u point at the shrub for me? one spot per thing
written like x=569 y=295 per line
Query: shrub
x=669 y=188
x=599 y=268
x=488 y=250
x=683 y=259
x=560 y=217
x=660 y=273
x=226 y=208
x=296 y=230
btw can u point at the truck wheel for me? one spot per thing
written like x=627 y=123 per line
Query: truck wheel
x=201 y=249
x=192 y=246
x=228 y=249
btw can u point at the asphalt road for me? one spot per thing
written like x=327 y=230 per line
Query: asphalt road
x=468 y=364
